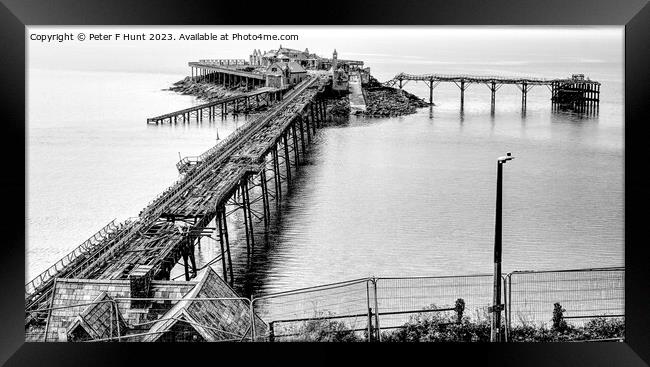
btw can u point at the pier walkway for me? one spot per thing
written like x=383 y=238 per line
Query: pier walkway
x=167 y=230
x=579 y=92
x=357 y=100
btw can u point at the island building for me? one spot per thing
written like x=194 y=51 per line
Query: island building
x=280 y=68
x=340 y=77
x=303 y=58
x=282 y=74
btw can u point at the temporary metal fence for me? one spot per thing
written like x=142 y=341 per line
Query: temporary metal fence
x=400 y=299
x=367 y=309
x=360 y=310
x=338 y=311
x=582 y=294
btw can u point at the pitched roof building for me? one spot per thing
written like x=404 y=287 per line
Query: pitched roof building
x=209 y=320
x=101 y=309
x=284 y=54
x=282 y=74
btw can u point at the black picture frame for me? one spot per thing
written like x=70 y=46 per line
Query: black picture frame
x=16 y=14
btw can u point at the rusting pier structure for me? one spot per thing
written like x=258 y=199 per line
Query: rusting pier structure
x=215 y=71
x=240 y=103
x=240 y=179
x=577 y=92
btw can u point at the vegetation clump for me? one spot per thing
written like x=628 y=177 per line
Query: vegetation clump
x=456 y=326
x=446 y=327
x=320 y=329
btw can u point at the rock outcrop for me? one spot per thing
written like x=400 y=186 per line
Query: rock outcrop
x=386 y=101
x=204 y=90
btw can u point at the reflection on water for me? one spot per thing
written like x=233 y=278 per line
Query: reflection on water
x=410 y=195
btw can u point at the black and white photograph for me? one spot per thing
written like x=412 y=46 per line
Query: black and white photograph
x=392 y=184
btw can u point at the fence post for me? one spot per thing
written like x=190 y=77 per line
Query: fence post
x=252 y=320
x=506 y=301
x=374 y=283
x=509 y=304
x=117 y=315
x=460 y=308
x=271 y=332
x=369 y=338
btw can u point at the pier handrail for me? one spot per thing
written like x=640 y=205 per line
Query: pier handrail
x=85 y=247
x=131 y=227
x=73 y=268
x=216 y=61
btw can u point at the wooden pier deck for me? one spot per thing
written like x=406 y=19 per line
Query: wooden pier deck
x=170 y=226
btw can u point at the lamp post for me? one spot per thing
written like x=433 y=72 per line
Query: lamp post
x=497 y=307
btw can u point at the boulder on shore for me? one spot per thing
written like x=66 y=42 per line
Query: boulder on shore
x=339 y=107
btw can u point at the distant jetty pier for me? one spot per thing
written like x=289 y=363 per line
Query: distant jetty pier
x=578 y=93
x=240 y=103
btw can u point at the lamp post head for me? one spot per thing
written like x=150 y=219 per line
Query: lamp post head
x=504 y=159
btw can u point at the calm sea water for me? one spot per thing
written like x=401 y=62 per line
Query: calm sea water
x=410 y=195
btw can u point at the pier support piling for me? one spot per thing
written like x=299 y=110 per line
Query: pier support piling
x=244 y=206
x=265 y=198
x=221 y=243
x=302 y=134
x=287 y=159
x=276 y=176
x=225 y=237
x=312 y=119
x=247 y=201
x=323 y=112
x=462 y=93
x=308 y=128
x=295 y=144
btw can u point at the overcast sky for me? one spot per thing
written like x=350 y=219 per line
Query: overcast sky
x=375 y=45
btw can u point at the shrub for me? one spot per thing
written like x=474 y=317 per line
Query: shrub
x=441 y=327
x=319 y=330
x=559 y=324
